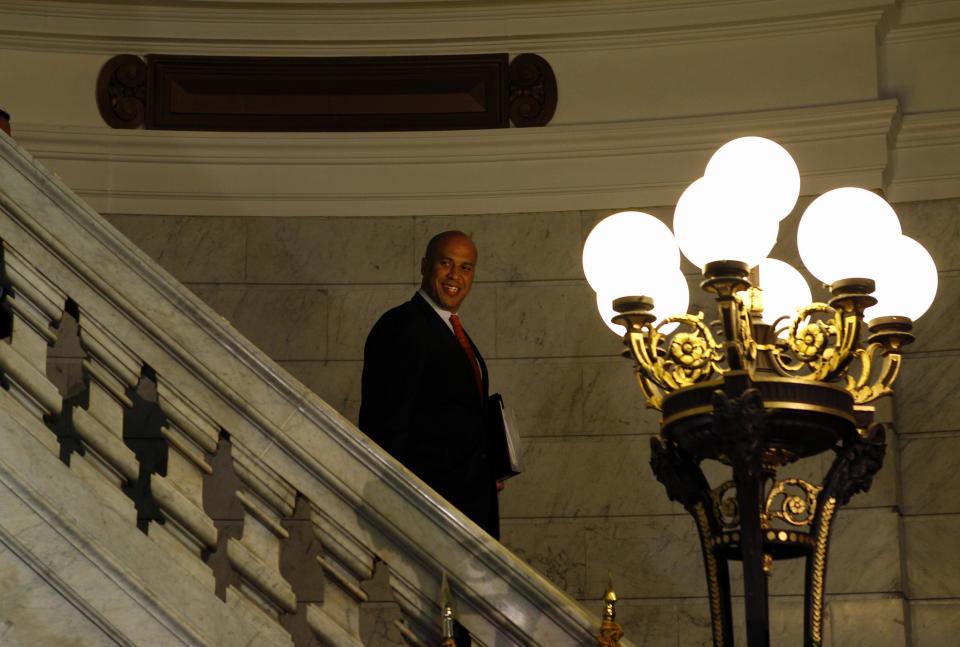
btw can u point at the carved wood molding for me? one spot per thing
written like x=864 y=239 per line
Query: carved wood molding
x=122 y=91
x=533 y=91
x=285 y=94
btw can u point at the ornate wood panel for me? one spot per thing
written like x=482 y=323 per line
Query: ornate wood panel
x=168 y=92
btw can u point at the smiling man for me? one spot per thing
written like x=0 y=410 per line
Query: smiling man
x=424 y=386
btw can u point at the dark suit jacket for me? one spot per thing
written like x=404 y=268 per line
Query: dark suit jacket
x=420 y=403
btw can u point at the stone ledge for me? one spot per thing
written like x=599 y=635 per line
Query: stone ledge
x=559 y=168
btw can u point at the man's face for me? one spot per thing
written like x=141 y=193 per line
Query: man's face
x=448 y=271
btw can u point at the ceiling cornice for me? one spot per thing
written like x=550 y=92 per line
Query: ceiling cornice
x=552 y=168
x=655 y=136
x=438 y=26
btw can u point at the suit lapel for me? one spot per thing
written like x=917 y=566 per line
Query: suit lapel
x=443 y=332
x=435 y=322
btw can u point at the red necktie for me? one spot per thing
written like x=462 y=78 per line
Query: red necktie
x=468 y=349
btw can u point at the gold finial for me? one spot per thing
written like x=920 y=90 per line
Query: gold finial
x=446 y=613
x=609 y=602
x=610 y=632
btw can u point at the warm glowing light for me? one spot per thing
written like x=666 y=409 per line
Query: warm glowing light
x=906 y=283
x=709 y=227
x=841 y=232
x=783 y=290
x=670 y=294
x=759 y=175
x=625 y=245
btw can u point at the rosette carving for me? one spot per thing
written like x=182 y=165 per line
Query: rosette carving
x=533 y=91
x=122 y=91
x=683 y=358
x=820 y=344
x=725 y=506
x=820 y=340
x=796 y=508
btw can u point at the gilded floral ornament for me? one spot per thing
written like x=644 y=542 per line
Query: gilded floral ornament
x=797 y=509
x=809 y=340
x=819 y=345
x=692 y=353
x=690 y=350
x=725 y=507
x=667 y=362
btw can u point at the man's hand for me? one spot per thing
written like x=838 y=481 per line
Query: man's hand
x=500 y=486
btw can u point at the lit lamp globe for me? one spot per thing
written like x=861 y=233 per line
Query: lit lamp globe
x=709 y=226
x=759 y=174
x=619 y=245
x=906 y=284
x=842 y=232
x=668 y=289
x=783 y=290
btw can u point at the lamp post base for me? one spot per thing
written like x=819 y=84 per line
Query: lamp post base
x=765 y=520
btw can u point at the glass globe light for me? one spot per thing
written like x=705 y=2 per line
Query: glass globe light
x=623 y=244
x=759 y=174
x=670 y=294
x=709 y=227
x=907 y=283
x=783 y=290
x=840 y=232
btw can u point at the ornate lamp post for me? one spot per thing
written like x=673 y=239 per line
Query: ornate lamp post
x=775 y=378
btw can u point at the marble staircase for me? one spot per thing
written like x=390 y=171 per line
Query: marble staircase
x=107 y=527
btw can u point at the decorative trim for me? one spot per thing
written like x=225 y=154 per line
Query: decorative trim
x=929 y=129
x=283 y=94
x=925 y=162
x=907 y=33
x=122 y=91
x=624 y=165
x=322 y=28
x=713 y=574
x=533 y=91
x=819 y=568
x=797 y=126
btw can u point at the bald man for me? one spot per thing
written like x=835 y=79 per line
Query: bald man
x=425 y=386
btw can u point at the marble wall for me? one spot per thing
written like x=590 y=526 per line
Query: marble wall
x=307 y=290
x=928 y=422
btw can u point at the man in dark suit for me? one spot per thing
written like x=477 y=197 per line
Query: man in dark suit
x=424 y=385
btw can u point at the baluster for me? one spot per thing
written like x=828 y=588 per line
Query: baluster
x=187 y=529
x=109 y=370
x=35 y=305
x=346 y=563
x=420 y=625
x=255 y=556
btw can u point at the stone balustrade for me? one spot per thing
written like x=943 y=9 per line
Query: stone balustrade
x=148 y=520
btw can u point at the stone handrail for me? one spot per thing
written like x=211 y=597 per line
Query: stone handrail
x=61 y=259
